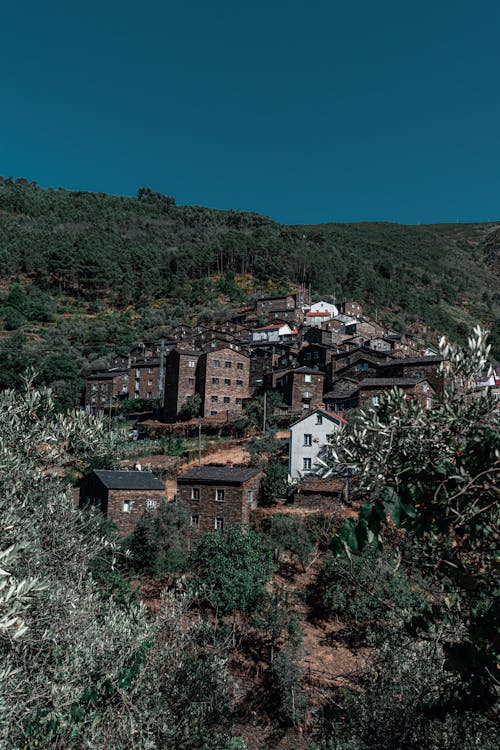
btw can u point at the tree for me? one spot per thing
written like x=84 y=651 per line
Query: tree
x=289 y=536
x=275 y=481
x=73 y=653
x=255 y=410
x=434 y=475
x=157 y=543
x=191 y=407
x=231 y=569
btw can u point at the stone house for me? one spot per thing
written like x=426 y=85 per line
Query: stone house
x=223 y=380
x=415 y=367
x=302 y=388
x=316 y=355
x=122 y=496
x=105 y=388
x=343 y=396
x=264 y=306
x=354 y=309
x=307 y=437
x=219 y=496
x=371 y=390
x=145 y=377
x=180 y=380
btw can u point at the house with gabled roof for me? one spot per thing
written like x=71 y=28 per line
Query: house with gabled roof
x=122 y=496
x=307 y=438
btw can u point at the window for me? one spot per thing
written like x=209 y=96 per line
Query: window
x=195 y=493
x=219 y=495
x=238 y=401
x=215 y=381
x=330 y=438
x=94 y=386
x=239 y=383
x=150 y=381
x=250 y=496
x=306 y=403
x=227 y=381
x=214 y=399
x=216 y=362
x=150 y=504
x=227 y=400
x=376 y=400
x=425 y=387
x=138 y=374
x=219 y=523
x=150 y=394
x=228 y=365
x=239 y=365
x=94 y=399
x=319 y=419
x=126 y=506
x=191 y=363
x=213 y=412
x=150 y=370
x=195 y=521
x=307 y=440
x=191 y=381
x=306 y=464
x=307 y=378
x=428 y=403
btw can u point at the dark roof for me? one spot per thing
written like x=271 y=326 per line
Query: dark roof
x=275 y=296
x=129 y=480
x=389 y=382
x=308 y=371
x=106 y=375
x=415 y=361
x=218 y=474
x=328 y=414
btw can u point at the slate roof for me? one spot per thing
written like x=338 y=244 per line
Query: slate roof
x=218 y=474
x=129 y=480
x=389 y=382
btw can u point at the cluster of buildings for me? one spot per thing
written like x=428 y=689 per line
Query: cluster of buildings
x=311 y=354
x=323 y=359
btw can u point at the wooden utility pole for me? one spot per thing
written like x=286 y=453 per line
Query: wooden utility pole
x=199 y=441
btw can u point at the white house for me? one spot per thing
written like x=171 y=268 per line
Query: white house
x=307 y=437
x=271 y=332
x=325 y=307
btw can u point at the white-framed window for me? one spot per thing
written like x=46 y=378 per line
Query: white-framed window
x=126 y=506
x=150 y=381
x=138 y=374
x=94 y=386
x=307 y=439
x=307 y=378
x=150 y=370
x=306 y=464
x=250 y=496
x=376 y=400
x=306 y=403
x=195 y=493
x=219 y=495
x=428 y=403
x=425 y=387
x=216 y=362
x=219 y=523
x=194 y=521
x=150 y=504
x=191 y=363
x=239 y=365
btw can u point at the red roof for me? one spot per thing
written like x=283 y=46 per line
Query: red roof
x=316 y=314
x=271 y=327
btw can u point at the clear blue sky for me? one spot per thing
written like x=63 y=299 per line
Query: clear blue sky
x=305 y=112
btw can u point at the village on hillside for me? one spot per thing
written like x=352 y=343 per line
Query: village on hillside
x=321 y=361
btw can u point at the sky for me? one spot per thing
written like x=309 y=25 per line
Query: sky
x=305 y=112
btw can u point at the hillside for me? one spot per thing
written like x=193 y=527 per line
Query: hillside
x=128 y=250
x=84 y=275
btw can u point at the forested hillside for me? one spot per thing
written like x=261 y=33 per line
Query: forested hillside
x=130 y=250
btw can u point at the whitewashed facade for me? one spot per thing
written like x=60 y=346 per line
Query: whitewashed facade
x=307 y=437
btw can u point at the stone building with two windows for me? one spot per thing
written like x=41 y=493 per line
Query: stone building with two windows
x=219 y=496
